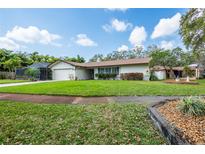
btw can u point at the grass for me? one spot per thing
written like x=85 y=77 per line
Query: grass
x=26 y=123
x=108 y=88
x=12 y=81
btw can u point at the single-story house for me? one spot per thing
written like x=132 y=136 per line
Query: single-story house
x=163 y=73
x=64 y=70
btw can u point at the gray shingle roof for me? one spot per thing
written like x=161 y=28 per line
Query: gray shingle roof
x=39 y=65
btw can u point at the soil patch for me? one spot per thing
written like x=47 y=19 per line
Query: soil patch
x=181 y=82
x=192 y=128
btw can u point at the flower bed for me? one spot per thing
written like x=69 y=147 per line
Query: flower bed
x=183 y=129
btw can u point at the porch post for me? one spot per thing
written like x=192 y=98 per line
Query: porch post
x=197 y=73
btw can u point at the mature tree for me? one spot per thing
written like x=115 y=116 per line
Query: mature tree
x=136 y=52
x=25 y=59
x=164 y=58
x=183 y=58
x=78 y=59
x=192 y=29
x=4 y=56
x=12 y=63
x=97 y=57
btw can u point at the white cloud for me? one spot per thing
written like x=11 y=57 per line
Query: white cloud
x=117 y=25
x=117 y=9
x=166 y=26
x=138 y=36
x=122 y=48
x=167 y=45
x=107 y=28
x=83 y=40
x=32 y=34
x=8 y=44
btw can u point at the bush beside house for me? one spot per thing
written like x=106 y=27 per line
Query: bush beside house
x=131 y=76
x=106 y=76
x=32 y=73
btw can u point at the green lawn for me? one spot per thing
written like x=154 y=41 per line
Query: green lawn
x=108 y=88
x=11 y=81
x=27 y=123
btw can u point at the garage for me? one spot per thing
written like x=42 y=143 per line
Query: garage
x=62 y=71
x=63 y=74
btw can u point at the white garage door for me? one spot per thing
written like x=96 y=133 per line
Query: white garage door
x=63 y=74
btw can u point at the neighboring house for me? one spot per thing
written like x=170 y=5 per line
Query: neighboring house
x=162 y=73
x=45 y=72
x=64 y=70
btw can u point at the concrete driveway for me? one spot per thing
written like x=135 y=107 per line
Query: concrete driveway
x=24 y=83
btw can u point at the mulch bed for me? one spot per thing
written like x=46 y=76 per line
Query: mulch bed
x=181 y=82
x=192 y=128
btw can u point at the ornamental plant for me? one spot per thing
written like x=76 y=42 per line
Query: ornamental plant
x=32 y=73
x=193 y=105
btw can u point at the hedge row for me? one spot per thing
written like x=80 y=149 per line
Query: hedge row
x=106 y=76
x=131 y=76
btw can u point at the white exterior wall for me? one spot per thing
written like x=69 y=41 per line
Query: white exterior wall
x=134 y=69
x=95 y=72
x=161 y=75
x=63 y=70
x=128 y=69
x=82 y=74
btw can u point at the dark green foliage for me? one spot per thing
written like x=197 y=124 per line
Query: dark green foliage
x=106 y=76
x=164 y=58
x=32 y=73
x=131 y=76
x=137 y=52
x=187 y=71
x=192 y=29
x=194 y=106
x=77 y=59
x=97 y=57
x=11 y=60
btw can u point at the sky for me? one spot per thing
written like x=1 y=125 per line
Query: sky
x=69 y=32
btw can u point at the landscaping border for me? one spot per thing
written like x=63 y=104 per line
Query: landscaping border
x=171 y=133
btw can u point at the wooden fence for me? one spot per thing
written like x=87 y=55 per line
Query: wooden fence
x=7 y=75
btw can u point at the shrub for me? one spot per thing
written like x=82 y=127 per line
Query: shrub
x=194 y=106
x=106 y=76
x=33 y=74
x=153 y=77
x=187 y=71
x=131 y=76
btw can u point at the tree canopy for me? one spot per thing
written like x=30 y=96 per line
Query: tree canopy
x=137 y=52
x=192 y=29
x=10 y=60
x=170 y=58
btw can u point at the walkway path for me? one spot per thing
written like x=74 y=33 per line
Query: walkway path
x=83 y=100
x=24 y=83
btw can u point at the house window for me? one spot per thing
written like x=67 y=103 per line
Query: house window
x=108 y=70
